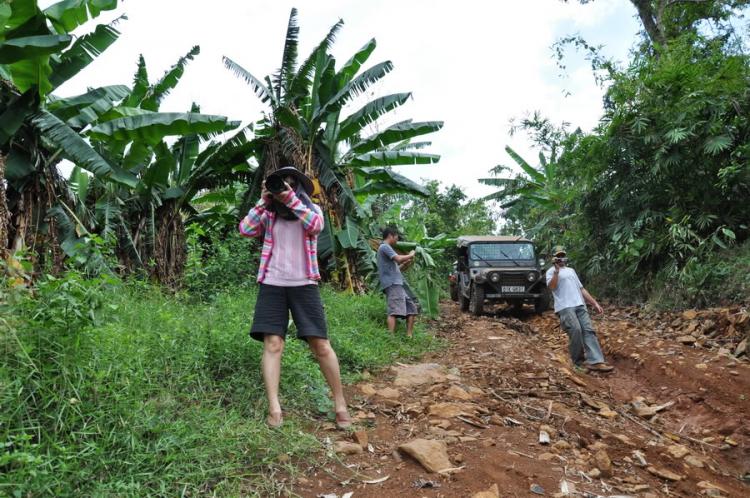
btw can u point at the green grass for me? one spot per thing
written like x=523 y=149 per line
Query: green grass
x=119 y=390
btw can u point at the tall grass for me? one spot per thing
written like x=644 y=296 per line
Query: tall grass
x=117 y=389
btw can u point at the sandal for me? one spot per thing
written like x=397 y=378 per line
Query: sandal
x=343 y=421
x=275 y=419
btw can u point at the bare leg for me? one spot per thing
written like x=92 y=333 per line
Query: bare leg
x=409 y=325
x=273 y=347
x=329 y=365
x=391 y=324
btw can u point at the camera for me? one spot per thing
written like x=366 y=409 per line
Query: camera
x=275 y=184
x=560 y=260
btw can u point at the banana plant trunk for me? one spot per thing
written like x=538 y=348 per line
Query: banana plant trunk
x=4 y=214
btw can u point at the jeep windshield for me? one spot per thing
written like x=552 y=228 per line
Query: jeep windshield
x=501 y=253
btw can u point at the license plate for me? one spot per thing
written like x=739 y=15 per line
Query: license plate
x=512 y=289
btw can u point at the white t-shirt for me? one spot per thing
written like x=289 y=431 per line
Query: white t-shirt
x=568 y=293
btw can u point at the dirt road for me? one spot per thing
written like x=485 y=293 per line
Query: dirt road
x=503 y=406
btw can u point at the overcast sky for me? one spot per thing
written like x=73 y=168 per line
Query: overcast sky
x=473 y=64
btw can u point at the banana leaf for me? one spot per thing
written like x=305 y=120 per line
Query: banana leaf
x=151 y=128
x=393 y=159
x=28 y=47
x=69 y=14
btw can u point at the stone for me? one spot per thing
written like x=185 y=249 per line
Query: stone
x=422 y=373
x=368 y=390
x=455 y=392
x=360 y=437
x=604 y=464
x=458 y=458
x=493 y=492
x=701 y=366
x=302 y=481
x=347 y=448
x=450 y=410
x=561 y=446
x=489 y=442
x=495 y=420
x=432 y=455
x=710 y=485
x=686 y=339
x=694 y=461
x=546 y=457
x=467 y=439
x=595 y=473
x=741 y=348
x=397 y=456
x=388 y=393
x=678 y=451
x=664 y=474
x=609 y=414
x=439 y=432
x=536 y=489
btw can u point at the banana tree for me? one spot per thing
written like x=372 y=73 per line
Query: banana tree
x=37 y=55
x=305 y=128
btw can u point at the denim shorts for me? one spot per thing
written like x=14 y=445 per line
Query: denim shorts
x=274 y=304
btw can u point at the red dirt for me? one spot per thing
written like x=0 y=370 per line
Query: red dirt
x=522 y=368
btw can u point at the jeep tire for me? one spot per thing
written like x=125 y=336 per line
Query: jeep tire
x=541 y=304
x=454 y=293
x=476 y=302
x=463 y=301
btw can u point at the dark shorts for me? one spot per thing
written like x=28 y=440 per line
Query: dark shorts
x=274 y=304
x=399 y=304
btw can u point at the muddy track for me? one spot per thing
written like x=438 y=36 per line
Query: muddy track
x=504 y=380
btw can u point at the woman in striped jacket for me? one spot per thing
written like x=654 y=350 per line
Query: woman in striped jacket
x=289 y=223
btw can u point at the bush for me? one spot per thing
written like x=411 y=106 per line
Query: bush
x=156 y=395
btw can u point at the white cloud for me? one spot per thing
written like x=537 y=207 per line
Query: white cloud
x=473 y=65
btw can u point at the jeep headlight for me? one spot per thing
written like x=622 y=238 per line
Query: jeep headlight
x=495 y=277
x=542 y=262
x=531 y=276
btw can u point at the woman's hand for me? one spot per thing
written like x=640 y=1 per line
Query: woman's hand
x=264 y=192
x=282 y=195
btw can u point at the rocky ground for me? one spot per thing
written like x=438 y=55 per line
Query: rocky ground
x=502 y=412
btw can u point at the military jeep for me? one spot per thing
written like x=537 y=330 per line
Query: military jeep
x=500 y=269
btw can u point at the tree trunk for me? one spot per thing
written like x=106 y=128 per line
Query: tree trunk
x=648 y=18
x=4 y=214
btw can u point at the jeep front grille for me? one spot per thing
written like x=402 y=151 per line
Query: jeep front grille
x=513 y=279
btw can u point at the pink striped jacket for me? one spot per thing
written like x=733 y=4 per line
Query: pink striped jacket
x=259 y=221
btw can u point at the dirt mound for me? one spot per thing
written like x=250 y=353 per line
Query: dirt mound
x=508 y=410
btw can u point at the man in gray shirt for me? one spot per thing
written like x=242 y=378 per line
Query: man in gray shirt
x=390 y=265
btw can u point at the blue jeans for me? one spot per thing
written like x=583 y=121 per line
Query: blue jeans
x=576 y=322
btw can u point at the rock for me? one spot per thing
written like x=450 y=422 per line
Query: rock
x=388 y=393
x=678 y=451
x=734 y=372
x=450 y=410
x=488 y=442
x=536 y=489
x=604 y=464
x=422 y=373
x=495 y=420
x=701 y=366
x=493 y=492
x=709 y=485
x=397 y=456
x=561 y=446
x=458 y=458
x=595 y=473
x=432 y=455
x=741 y=348
x=689 y=315
x=467 y=439
x=597 y=405
x=302 y=481
x=694 y=461
x=609 y=414
x=642 y=409
x=439 y=432
x=360 y=437
x=455 y=392
x=686 y=339
x=368 y=390
x=543 y=437
x=664 y=474
x=546 y=457
x=347 y=448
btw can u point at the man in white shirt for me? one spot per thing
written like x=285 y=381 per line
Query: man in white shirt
x=570 y=307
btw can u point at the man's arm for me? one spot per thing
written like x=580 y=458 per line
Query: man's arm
x=405 y=258
x=589 y=299
x=406 y=266
x=552 y=283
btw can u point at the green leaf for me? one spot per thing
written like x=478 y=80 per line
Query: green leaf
x=429 y=296
x=80 y=181
x=69 y=14
x=32 y=72
x=151 y=128
x=391 y=158
x=28 y=47
x=263 y=92
x=387 y=181
x=82 y=53
x=349 y=235
x=352 y=66
x=530 y=170
x=354 y=88
x=5 y=14
x=71 y=143
x=15 y=114
x=395 y=133
x=122 y=112
x=21 y=11
x=169 y=81
x=716 y=144
x=18 y=165
x=729 y=233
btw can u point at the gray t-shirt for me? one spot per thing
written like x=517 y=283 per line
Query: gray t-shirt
x=568 y=293
x=388 y=269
